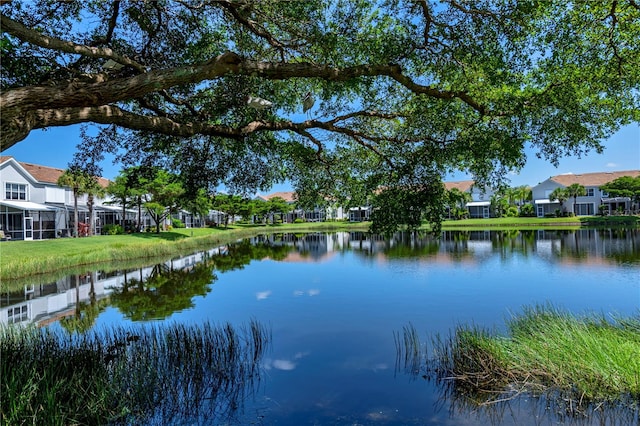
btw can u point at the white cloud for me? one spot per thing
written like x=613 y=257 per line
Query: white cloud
x=611 y=165
x=314 y=292
x=283 y=364
x=261 y=295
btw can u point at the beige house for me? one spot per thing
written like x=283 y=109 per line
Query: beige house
x=585 y=205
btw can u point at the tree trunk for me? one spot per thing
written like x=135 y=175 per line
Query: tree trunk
x=75 y=213
x=91 y=221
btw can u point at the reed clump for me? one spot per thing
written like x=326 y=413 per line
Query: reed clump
x=152 y=375
x=585 y=358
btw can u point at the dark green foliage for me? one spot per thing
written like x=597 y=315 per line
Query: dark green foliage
x=177 y=223
x=111 y=229
x=407 y=206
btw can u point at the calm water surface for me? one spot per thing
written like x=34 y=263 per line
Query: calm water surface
x=334 y=301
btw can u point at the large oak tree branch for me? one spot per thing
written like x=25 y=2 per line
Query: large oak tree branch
x=24 y=33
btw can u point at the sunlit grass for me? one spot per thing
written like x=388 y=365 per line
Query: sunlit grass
x=128 y=375
x=591 y=357
x=574 y=361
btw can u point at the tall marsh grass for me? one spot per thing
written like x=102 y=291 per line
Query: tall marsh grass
x=152 y=375
x=575 y=364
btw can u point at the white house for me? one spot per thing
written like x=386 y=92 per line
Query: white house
x=33 y=206
x=584 y=205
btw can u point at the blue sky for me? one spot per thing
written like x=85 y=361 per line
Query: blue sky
x=55 y=147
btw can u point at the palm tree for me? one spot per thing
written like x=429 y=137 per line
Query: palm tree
x=499 y=204
x=576 y=190
x=93 y=189
x=120 y=194
x=76 y=179
x=561 y=195
x=523 y=193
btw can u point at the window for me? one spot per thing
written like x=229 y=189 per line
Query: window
x=15 y=191
x=17 y=314
x=590 y=192
x=605 y=194
x=584 y=209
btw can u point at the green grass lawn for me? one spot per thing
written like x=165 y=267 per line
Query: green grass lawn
x=523 y=222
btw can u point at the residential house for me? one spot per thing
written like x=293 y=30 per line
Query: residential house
x=584 y=205
x=33 y=206
x=317 y=214
x=480 y=204
x=290 y=198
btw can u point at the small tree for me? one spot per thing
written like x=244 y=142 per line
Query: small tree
x=523 y=194
x=231 y=205
x=120 y=193
x=198 y=204
x=457 y=201
x=165 y=192
x=499 y=204
x=93 y=189
x=278 y=205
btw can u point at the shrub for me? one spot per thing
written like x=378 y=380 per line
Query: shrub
x=177 y=223
x=512 y=211
x=112 y=229
x=298 y=220
x=527 y=210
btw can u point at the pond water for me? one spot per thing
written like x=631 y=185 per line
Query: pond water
x=334 y=303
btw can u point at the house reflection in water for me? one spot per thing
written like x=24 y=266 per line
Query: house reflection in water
x=42 y=304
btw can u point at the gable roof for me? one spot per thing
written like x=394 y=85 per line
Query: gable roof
x=592 y=179
x=463 y=185
x=46 y=174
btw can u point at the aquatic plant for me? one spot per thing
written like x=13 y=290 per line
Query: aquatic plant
x=128 y=375
x=577 y=366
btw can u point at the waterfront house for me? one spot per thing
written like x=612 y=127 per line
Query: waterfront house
x=33 y=206
x=586 y=205
x=480 y=204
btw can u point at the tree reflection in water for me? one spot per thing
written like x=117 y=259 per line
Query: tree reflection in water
x=168 y=290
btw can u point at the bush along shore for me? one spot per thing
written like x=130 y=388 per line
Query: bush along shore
x=575 y=364
x=153 y=375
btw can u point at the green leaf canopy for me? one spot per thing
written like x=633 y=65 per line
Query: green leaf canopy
x=405 y=91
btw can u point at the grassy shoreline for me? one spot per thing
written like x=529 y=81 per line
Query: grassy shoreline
x=28 y=259
x=586 y=359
